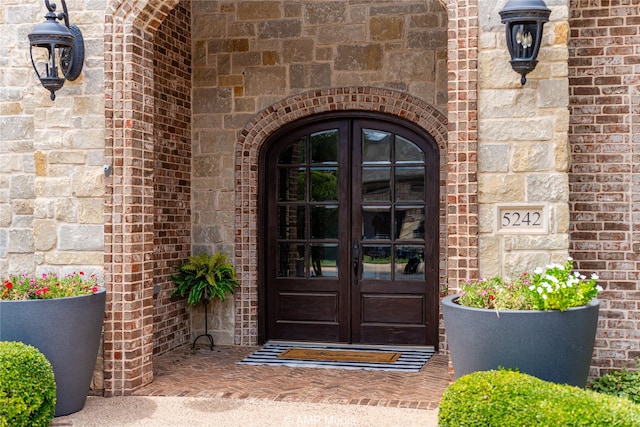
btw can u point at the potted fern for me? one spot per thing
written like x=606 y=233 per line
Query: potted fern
x=203 y=278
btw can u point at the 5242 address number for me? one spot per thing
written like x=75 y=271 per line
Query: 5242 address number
x=521 y=219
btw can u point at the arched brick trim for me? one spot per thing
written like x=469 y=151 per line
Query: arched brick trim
x=258 y=130
x=128 y=327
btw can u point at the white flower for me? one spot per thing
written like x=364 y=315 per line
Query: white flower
x=538 y=270
x=599 y=288
x=594 y=276
x=532 y=287
x=540 y=289
x=544 y=296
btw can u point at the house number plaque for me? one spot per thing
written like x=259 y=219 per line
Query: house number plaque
x=522 y=219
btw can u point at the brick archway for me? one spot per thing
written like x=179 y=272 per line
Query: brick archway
x=258 y=130
x=128 y=327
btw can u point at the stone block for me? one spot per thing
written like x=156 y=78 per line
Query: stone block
x=530 y=157
x=490 y=263
x=205 y=166
x=227 y=45
x=5 y=215
x=560 y=218
x=64 y=210
x=244 y=59
x=517 y=262
x=242 y=29
x=493 y=158
x=280 y=29
x=386 y=28
x=265 y=81
x=16 y=127
x=505 y=103
x=20 y=241
x=81 y=237
x=258 y=10
x=548 y=188
x=541 y=242
x=310 y=76
x=553 y=93
x=298 y=51
x=495 y=188
x=44 y=233
x=207 y=234
x=324 y=12
x=4 y=243
x=90 y=211
x=206 y=27
x=52 y=187
x=486 y=218
x=332 y=34
x=367 y=57
x=215 y=142
x=82 y=258
x=539 y=128
x=415 y=66
x=22 y=187
x=212 y=100
x=428 y=39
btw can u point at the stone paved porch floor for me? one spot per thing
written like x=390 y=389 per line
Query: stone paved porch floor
x=206 y=373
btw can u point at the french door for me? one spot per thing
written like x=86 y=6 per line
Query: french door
x=350 y=243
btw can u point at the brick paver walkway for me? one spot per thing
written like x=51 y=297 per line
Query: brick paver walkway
x=206 y=373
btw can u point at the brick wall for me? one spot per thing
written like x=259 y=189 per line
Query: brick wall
x=172 y=173
x=604 y=177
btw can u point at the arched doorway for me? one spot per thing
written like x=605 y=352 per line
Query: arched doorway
x=349 y=243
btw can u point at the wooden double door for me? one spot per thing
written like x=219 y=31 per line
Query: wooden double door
x=349 y=252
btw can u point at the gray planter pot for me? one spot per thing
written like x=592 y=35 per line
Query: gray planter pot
x=555 y=346
x=67 y=331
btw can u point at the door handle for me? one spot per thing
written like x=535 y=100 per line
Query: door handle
x=356 y=261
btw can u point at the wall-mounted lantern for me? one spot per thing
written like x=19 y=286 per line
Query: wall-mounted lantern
x=524 y=20
x=57 y=51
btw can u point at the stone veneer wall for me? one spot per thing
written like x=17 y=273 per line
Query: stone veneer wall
x=523 y=155
x=249 y=56
x=51 y=153
x=604 y=177
x=171 y=174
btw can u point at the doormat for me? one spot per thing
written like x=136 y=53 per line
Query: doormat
x=341 y=355
x=410 y=359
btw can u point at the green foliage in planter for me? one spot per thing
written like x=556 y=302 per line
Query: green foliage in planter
x=205 y=277
x=27 y=386
x=507 y=398
x=621 y=383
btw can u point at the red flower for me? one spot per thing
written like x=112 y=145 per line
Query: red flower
x=94 y=289
x=82 y=273
x=8 y=284
x=492 y=297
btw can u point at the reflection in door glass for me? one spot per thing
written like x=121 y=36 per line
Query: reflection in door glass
x=292 y=184
x=324 y=184
x=376 y=262
x=409 y=262
x=324 y=260
x=291 y=222
x=294 y=154
x=407 y=151
x=324 y=147
x=409 y=183
x=376 y=183
x=291 y=260
x=409 y=223
x=376 y=222
x=376 y=147
x=324 y=222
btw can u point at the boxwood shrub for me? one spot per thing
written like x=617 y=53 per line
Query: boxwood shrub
x=507 y=398
x=27 y=386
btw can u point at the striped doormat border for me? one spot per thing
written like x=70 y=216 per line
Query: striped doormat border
x=411 y=359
